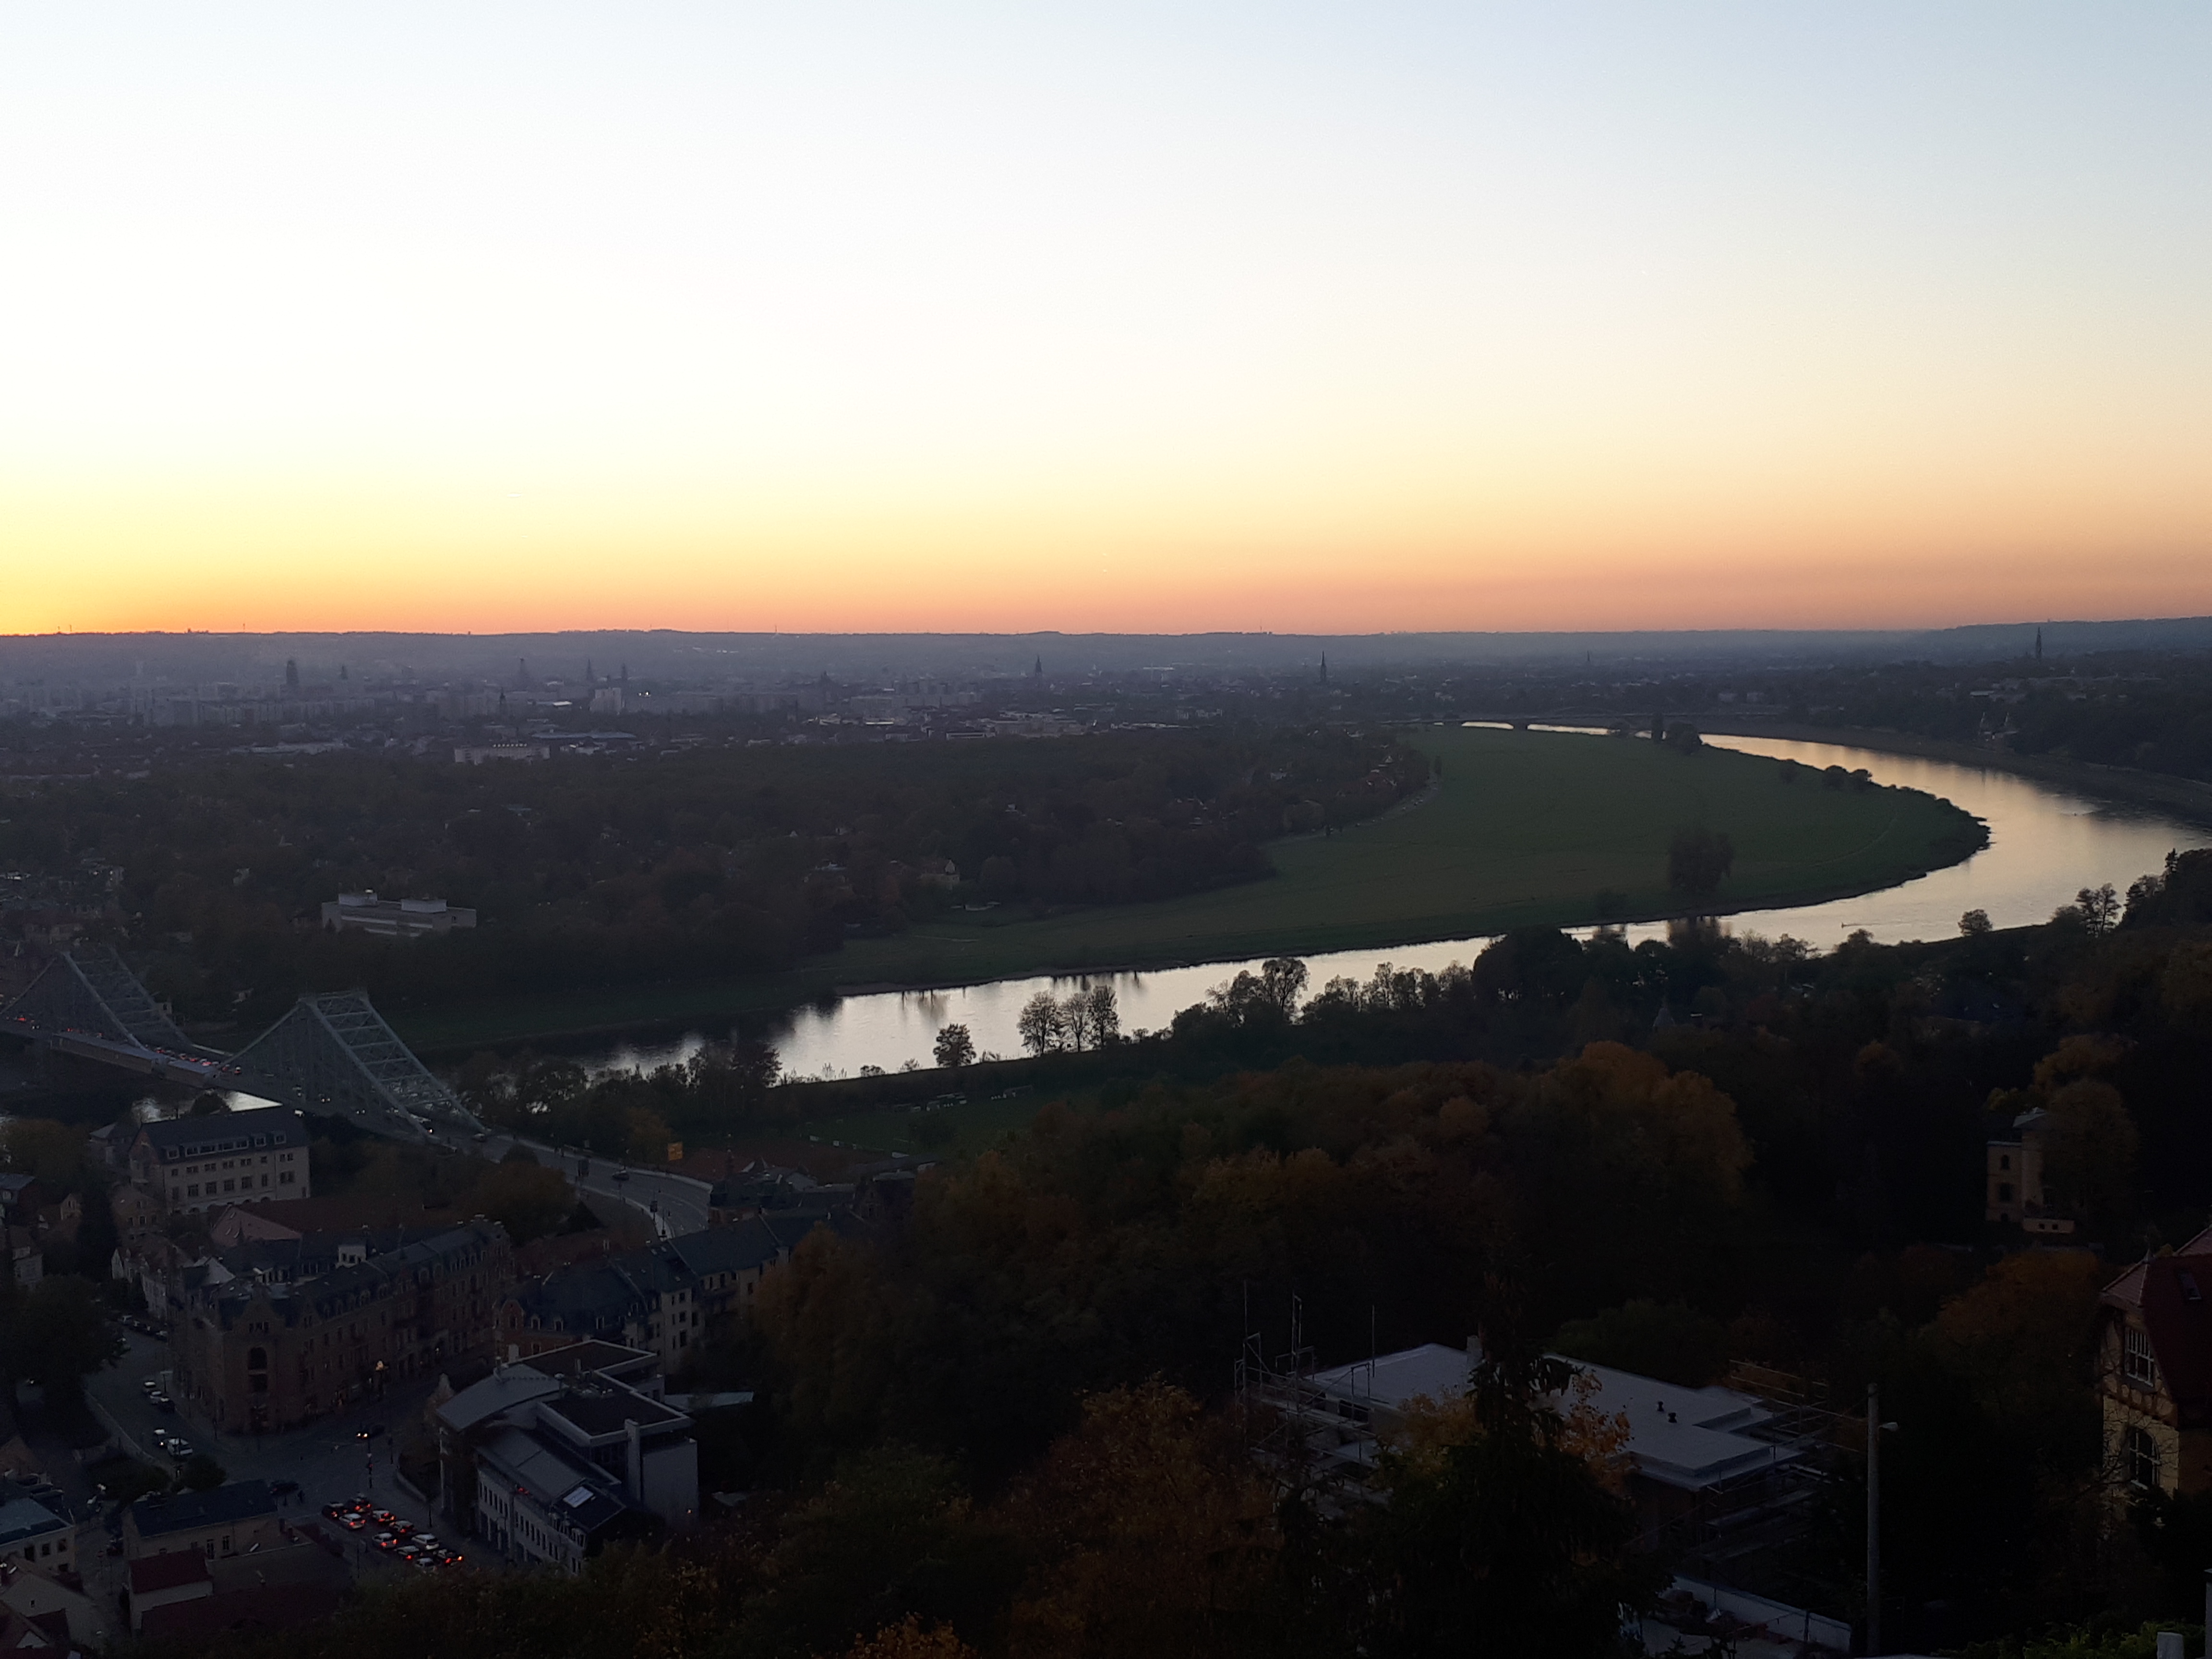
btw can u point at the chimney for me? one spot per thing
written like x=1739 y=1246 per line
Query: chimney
x=636 y=1482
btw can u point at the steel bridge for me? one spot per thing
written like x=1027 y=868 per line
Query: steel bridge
x=331 y=1054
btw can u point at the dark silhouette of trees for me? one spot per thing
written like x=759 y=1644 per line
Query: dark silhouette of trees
x=1699 y=861
x=955 y=1048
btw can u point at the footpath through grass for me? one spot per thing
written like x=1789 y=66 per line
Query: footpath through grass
x=1523 y=828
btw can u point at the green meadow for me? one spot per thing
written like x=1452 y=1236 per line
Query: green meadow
x=1520 y=828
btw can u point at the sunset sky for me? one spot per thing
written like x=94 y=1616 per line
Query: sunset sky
x=958 y=315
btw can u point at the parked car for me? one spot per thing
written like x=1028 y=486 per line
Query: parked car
x=180 y=1449
x=384 y=1540
x=355 y=1521
x=337 y=1511
x=283 y=1488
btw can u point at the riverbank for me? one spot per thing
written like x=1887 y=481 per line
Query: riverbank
x=2185 y=797
x=1517 y=829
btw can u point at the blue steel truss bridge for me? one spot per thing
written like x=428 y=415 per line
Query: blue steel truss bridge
x=330 y=1055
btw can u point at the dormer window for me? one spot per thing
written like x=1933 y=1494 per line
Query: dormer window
x=2137 y=1363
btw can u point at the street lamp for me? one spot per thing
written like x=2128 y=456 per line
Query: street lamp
x=1875 y=1427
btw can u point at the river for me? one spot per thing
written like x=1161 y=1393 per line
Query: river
x=2045 y=844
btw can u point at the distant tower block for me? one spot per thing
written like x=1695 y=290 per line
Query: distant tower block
x=291 y=675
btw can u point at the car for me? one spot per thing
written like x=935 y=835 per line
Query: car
x=180 y=1449
x=355 y=1521
x=151 y=1384
x=337 y=1511
x=163 y=1403
x=450 y=1559
x=429 y=1541
x=426 y=1560
x=384 y=1540
x=369 y=1433
x=384 y=1518
x=283 y=1488
x=404 y=1528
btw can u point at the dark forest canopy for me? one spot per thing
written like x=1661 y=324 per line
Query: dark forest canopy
x=599 y=869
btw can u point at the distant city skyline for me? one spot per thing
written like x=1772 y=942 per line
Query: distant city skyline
x=1321 y=318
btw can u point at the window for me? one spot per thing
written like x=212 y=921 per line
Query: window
x=2139 y=1452
x=2004 y=1160
x=2187 y=1280
x=2004 y=1192
x=2137 y=1362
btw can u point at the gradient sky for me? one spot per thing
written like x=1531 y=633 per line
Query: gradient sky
x=960 y=315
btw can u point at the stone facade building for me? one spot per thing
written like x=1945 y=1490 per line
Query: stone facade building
x=197 y=1163
x=255 y=1354
x=2154 y=1372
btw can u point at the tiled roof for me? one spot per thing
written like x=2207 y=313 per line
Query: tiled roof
x=150 y=1573
x=2170 y=1294
x=226 y=1132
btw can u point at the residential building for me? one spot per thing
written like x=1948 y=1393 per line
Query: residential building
x=659 y=1298
x=196 y=1163
x=269 y=1352
x=547 y=1464
x=27 y=1263
x=365 y=912
x=237 y=1519
x=66 y=1614
x=2014 y=1177
x=2154 y=1372
x=36 y=1529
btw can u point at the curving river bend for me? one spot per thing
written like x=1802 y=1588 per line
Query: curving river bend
x=2045 y=844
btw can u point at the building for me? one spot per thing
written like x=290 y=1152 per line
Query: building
x=27 y=1263
x=233 y=1520
x=547 y=1464
x=162 y=1581
x=660 y=1298
x=270 y=1352
x=35 y=1527
x=195 y=1163
x=68 y=1616
x=2014 y=1181
x=477 y=754
x=365 y=912
x=2154 y=1372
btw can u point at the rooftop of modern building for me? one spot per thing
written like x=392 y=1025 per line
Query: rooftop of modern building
x=572 y=1487
x=605 y=1412
x=1693 y=1438
x=506 y=1387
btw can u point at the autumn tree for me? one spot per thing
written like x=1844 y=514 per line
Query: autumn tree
x=1150 y=1530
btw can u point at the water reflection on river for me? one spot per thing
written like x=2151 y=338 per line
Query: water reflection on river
x=2045 y=844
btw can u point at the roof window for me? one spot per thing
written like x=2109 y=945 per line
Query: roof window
x=2189 y=1291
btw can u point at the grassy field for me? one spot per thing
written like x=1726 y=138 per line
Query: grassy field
x=1522 y=828
x=1525 y=827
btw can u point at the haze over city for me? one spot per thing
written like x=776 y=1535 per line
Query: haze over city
x=971 y=831
x=969 y=316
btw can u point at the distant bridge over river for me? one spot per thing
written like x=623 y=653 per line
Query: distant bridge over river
x=330 y=1055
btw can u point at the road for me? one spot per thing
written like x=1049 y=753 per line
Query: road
x=670 y=1204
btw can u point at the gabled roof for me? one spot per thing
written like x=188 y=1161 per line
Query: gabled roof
x=739 y=1248
x=150 y=1573
x=2173 y=1295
